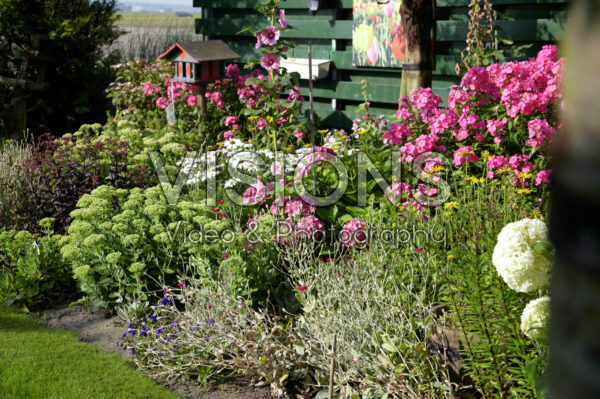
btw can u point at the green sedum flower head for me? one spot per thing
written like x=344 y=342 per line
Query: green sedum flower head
x=113 y=257
x=137 y=267
x=82 y=272
x=94 y=240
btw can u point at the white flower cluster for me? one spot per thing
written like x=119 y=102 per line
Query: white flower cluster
x=534 y=320
x=514 y=258
x=339 y=141
x=200 y=168
x=238 y=155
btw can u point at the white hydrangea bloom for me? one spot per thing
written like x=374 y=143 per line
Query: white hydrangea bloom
x=520 y=267
x=534 y=320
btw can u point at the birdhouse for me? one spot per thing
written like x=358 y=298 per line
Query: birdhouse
x=199 y=62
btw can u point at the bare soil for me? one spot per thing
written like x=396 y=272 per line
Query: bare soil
x=98 y=328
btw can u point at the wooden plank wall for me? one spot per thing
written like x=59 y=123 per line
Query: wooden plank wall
x=524 y=21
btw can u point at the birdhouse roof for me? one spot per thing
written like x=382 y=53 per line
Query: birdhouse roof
x=208 y=50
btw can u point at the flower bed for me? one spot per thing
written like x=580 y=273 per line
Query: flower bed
x=230 y=257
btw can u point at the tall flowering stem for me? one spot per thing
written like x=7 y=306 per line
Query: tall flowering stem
x=272 y=49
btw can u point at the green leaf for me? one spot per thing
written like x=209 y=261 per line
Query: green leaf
x=249 y=29
x=345 y=218
x=283 y=378
x=387 y=346
x=299 y=348
x=322 y=394
x=355 y=210
x=542 y=248
x=328 y=213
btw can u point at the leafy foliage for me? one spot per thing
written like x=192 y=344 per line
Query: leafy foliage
x=32 y=272
x=485 y=46
x=481 y=306
x=61 y=43
x=58 y=172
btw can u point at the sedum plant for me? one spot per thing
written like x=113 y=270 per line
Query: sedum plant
x=122 y=241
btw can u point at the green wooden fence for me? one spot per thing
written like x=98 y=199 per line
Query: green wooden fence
x=523 y=21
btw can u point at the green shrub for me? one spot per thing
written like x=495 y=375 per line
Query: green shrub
x=122 y=242
x=33 y=273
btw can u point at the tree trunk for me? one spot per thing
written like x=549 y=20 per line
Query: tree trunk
x=575 y=219
x=417 y=20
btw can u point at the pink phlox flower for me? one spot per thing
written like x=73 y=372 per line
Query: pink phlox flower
x=543 y=177
x=233 y=121
x=162 y=102
x=463 y=155
x=261 y=124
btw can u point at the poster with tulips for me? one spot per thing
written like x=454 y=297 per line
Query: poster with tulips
x=377 y=36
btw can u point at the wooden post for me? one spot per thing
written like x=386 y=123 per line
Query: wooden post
x=575 y=217
x=202 y=100
x=332 y=367
x=417 y=20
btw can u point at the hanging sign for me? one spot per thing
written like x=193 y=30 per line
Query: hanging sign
x=377 y=36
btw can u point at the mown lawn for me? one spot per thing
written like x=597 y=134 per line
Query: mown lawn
x=41 y=362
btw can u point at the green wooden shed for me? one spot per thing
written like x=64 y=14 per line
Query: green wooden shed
x=537 y=22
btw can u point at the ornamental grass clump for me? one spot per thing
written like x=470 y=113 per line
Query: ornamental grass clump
x=12 y=154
